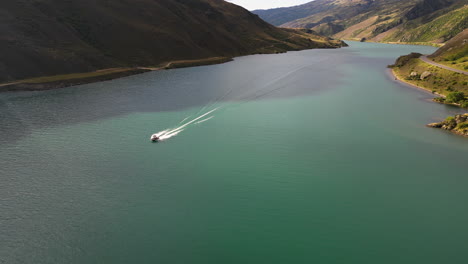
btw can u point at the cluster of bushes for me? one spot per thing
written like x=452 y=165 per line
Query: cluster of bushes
x=457 y=123
x=452 y=122
x=454 y=98
x=463 y=126
x=402 y=60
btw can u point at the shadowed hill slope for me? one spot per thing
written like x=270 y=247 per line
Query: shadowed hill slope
x=51 y=37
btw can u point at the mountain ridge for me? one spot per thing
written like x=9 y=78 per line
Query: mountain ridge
x=53 y=37
x=376 y=20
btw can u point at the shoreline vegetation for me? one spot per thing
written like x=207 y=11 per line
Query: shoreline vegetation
x=402 y=80
x=451 y=87
x=457 y=124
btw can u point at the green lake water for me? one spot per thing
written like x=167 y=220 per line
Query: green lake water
x=315 y=156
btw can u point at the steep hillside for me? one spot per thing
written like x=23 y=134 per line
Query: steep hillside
x=454 y=53
x=376 y=20
x=52 y=37
x=280 y=16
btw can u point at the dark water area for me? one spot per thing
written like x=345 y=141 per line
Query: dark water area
x=312 y=156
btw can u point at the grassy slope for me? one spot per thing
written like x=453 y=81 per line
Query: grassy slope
x=379 y=20
x=56 y=37
x=441 y=81
x=454 y=53
x=439 y=29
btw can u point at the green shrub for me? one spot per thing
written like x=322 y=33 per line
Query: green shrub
x=455 y=97
x=449 y=118
x=463 y=125
x=464 y=104
x=403 y=60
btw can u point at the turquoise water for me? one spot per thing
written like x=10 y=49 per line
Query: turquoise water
x=312 y=157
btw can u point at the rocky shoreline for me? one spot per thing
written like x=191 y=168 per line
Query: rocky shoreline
x=457 y=124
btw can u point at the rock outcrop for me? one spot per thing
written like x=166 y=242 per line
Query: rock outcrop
x=425 y=74
x=457 y=124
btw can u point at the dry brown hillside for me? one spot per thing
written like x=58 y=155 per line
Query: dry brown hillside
x=377 y=20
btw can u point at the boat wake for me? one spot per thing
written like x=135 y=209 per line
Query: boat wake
x=244 y=98
x=168 y=133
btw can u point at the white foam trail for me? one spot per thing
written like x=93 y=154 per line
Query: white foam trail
x=162 y=133
x=204 y=120
x=168 y=133
x=167 y=136
x=184 y=119
x=194 y=120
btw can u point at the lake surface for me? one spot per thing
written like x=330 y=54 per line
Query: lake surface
x=315 y=156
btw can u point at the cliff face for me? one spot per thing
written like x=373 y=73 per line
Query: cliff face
x=50 y=37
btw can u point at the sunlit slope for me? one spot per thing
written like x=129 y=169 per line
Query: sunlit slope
x=377 y=20
x=454 y=53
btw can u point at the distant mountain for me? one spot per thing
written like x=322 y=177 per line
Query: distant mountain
x=376 y=20
x=51 y=37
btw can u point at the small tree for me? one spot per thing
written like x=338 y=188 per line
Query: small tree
x=455 y=97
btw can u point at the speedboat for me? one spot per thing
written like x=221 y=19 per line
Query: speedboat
x=155 y=138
